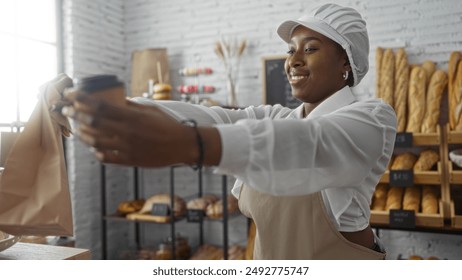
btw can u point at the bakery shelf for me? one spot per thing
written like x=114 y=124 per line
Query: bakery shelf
x=421 y=220
x=135 y=217
x=455 y=175
x=427 y=139
x=453 y=137
x=432 y=177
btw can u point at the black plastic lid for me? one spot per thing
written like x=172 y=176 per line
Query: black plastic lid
x=97 y=83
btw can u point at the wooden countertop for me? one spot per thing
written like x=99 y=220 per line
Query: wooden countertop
x=30 y=251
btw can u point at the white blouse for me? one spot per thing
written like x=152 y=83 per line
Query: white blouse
x=341 y=148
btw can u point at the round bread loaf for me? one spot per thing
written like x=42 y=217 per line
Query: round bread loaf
x=179 y=206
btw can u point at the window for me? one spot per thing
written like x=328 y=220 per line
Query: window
x=28 y=56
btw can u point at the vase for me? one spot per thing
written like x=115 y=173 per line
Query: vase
x=231 y=91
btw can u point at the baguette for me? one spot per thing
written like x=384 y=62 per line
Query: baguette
x=411 y=199
x=394 y=198
x=379 y=199
x=404 y=161
x=429 y=200
x=429 y=67
x=435 y=91
x=457 y=92
x=416 y=100
x=426 y=160
x=401 y=87
x=452 y=71
x=378 y=72
x=387 y=70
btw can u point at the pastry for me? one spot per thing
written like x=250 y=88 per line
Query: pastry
x=387 y=77
x=179 y=207
x=401 y=89
x=452 y=73
x=201 y=203
x=429 y=200
x=435 y=91
x=411 y=199
x=215 y=210
x=130 y=206
x=394 y=198
x=427 y=159
x=404 y=161
x=416 y=100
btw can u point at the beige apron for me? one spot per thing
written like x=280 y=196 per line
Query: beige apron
x=297 y=227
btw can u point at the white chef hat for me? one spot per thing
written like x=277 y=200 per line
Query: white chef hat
x=344 y=26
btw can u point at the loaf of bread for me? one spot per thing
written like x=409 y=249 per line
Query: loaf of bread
x=411 y=199
x=379 y=199
x=387 y=77
x=435 y=90
x=378 y=72
x=207 y=252
x=179 y=206
x=130 y=206
x=394 y=198
x=452 y=73
x=215 y=210
x=457 y=91
x=404 y=161
x=427 y=159
x=236 y=252
x=401 y=89
x=429 y=67
x=201 y=203
x=416 y=100
x=429 y=200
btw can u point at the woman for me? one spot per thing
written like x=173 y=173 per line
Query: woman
x=305 y=176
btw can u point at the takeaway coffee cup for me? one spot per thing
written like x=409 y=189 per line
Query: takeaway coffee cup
x=107 y=87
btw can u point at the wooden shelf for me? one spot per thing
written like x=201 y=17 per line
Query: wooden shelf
x=420 y=177
x=453 y=137
x=427 y=139
x=421 y=220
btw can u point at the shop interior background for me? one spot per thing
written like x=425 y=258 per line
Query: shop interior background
x=96 y=36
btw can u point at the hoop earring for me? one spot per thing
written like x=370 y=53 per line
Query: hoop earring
x=345 y=75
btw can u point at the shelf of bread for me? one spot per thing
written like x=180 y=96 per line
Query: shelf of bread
x=156 y=209
x=421 y=219
x=453 y=136
x=427 y=139
x=432 y=177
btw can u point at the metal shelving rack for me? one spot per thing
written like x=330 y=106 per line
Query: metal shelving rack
x=137 y=186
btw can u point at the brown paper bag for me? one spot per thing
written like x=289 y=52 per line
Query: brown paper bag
x=34 y=192
x=145 y=67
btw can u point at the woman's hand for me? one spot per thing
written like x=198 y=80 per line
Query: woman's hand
x=134 y=135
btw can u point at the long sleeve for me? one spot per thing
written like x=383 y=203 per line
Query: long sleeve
x=296 y=157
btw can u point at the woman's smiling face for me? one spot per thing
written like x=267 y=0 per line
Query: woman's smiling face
x=315 y=65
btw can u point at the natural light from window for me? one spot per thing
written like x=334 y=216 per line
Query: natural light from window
x=28 y=55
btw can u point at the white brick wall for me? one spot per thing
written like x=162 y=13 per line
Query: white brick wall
x=100 y=36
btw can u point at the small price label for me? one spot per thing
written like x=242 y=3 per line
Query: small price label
x=402 y=218
x=160 y=209
x=403 y=140
x=401 y=178
x=195 y=215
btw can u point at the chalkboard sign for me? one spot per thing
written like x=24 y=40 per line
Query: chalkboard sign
x=401 y=178
x=402 y=218
x=403 y=140
x=276 y=87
